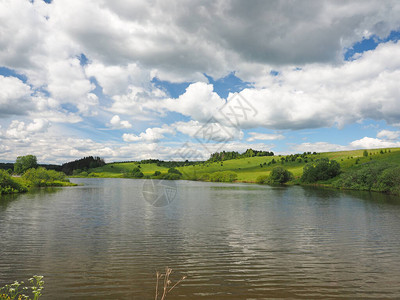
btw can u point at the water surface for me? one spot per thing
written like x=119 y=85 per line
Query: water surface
x=233 y=241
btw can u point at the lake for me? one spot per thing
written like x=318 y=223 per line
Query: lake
x=106 y=240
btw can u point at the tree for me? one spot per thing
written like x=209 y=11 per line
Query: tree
x=136 y=173
x=280 y=175
x=322 y=169
x=365 y=153
x=174 y=171
x=24 y=163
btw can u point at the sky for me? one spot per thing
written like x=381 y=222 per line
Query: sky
x=175 y=80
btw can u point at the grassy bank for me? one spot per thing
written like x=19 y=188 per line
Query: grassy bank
x=250 y=168
x=32 y=178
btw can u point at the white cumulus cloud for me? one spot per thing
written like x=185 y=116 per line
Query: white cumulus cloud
x=117 y=123
x=388 y=134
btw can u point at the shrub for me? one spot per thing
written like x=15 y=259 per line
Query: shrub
x=321 y=169
x=224 y=176
x=389 y=181
x=136 y=173
x=366 y=177
x=280 y=175
x=157 y=173
x=8 y=185
x=42 y=177
x=262 y=179
x=174 y=171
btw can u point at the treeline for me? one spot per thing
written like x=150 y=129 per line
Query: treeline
x=10 y=166
x=169 y=164
x=82 y=164
x=227 y=155
x=31 y=175
x=319 y=170
x=372 y=176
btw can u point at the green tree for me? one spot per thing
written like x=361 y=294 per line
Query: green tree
x=8 y=185
x=365 y=153
x=321 y=169
x=24 y=163
x=279 y=175
x=174 y=171
x=42 y=177
x=136 y=173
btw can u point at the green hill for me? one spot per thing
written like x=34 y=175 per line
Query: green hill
x=248 y=169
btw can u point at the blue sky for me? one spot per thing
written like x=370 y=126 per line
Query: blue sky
x=127 y=81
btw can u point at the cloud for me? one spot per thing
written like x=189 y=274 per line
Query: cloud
x=264 y=136
x=38 y=125
x=389 y=135
x=199 y=101
x=364 y=143
x=15 y=97
x=68 y=84
x=23 y=33
x=214 y=37
x=150 y=135
x=317 y=147
x=116 y=123
x=115 y=79
x=313 y=97
x=138 y=102
x=211 y=131
x=20 y=131
x=372 y=143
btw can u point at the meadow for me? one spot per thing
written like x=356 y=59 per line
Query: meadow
x=248 y=169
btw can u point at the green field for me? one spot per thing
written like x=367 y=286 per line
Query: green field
x=248 y=169
x=117 y=170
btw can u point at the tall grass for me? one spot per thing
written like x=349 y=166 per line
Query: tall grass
x=168 y=285
x=17 y=290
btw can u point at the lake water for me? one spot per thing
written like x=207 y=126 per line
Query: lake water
x=103 y=240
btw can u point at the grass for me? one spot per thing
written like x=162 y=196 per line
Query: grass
x=167 y=284
x=117 y=170
x=18 y=291
x=248 y=169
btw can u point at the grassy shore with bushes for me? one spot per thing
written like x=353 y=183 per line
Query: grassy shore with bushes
x=28 y=175
x=370 y=169
x=342 y=169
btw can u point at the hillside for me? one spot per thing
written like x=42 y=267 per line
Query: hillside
x=248 y=169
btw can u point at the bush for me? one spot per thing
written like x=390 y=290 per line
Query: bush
x=136 y=173
x=8 y=185
x=174 y=171
x=280 y=175
x=41 y=177
x=157 y=173
x=224 y=176
x=369 y=176
x=262 y=179
x=389 y=181
x=321 y=169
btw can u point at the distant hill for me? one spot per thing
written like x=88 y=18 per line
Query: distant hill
x=249 y=168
